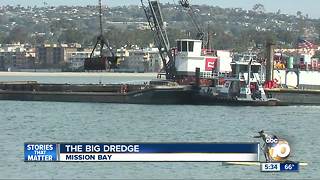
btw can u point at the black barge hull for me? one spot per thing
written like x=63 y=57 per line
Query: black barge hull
x=117 y=93
x=145 y=96
x=218 y=100
x=295 y=96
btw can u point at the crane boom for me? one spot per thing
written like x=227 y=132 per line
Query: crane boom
x=101 y=39
x=155 y=20
x=200 y=31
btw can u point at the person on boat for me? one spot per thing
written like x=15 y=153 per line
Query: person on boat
x=255 y=92
x=264 y=147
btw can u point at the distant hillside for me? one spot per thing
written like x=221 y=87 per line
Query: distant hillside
x=233 y=28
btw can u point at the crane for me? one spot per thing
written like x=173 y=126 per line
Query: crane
x=100 y=62
x=200 y=30
x=155 y=19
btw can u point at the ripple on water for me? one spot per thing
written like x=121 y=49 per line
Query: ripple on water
x=87 y=122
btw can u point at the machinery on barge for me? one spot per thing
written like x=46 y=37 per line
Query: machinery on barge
x=195 y=74
x=192 y=62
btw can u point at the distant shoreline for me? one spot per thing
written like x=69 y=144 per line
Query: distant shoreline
x=77 y=74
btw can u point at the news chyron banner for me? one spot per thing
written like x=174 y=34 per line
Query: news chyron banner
x=141 y=152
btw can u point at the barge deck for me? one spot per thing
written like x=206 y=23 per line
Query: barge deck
x=162 y=93
x=295 y=96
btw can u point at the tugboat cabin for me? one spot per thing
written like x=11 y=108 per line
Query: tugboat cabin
x=241 y=85
x=189 y=56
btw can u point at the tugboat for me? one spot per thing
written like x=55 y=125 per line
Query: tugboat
x=242 y=87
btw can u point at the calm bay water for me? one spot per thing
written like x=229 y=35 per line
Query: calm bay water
x=90 y=122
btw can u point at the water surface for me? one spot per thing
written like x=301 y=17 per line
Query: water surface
x=92 y=122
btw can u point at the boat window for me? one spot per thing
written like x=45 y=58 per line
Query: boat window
x=255 y=68
x=190 y=46
x=243 y=68
x=179 y=46
x=184 y=46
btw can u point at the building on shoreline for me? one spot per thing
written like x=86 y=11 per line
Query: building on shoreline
x=16 y=56
x=140 y=60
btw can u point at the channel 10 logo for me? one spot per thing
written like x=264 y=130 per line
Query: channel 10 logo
x=278 y=149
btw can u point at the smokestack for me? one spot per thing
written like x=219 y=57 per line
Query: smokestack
x=269 y=67
x=197 y=77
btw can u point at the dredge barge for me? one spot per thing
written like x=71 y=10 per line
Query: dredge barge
x=157 y=92
x=195 y=74
x=185 y=69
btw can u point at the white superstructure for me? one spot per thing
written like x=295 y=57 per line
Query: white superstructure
x=190 y=56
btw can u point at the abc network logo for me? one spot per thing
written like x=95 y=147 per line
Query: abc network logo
x=277 y=149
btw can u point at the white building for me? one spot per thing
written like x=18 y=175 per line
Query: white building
x=154 y=60
x=76 y=57
x=17 y=47
x=16 y=56
x=141 y=60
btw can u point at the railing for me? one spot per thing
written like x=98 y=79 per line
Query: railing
x=207 y=75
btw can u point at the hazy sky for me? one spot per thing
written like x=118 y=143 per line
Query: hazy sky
x=311 y=7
